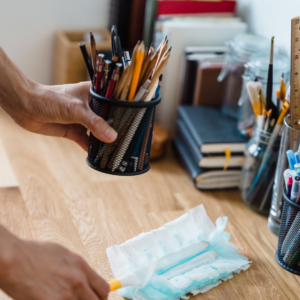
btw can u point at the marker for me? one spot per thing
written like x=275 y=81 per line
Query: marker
x=295 y=188
x=289 y=186
x=298 y=172
x=296 y=154
x=297 y=166
x=291 y=159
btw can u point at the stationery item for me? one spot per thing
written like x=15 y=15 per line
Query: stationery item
x=295 y=188
x=194 y=76
x=269 y=101
x=289 y=185
x=257 y=182
x=206 y=161
x=296 y=154
x=113 y=81
x=130 y=133
x=287 y=254
x=257 y=98
x=123 y=108
x=205 y=179
x=211 y=130
x=87 y=61
x=291 y=234
x=291 y=159
x=281 y=175
x=93 y=53
x=159 y=85
x=174 y=8
x=298 y=171
x=106 y=77
x=159 y=142
x=127 y=59
x=137 y=71
x=159 y=264
x=295 y=80
x=99 y=72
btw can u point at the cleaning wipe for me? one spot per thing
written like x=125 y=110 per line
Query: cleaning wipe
x=187 y=255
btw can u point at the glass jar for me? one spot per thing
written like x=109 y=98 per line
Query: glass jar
x=257 y=179
x=240 y=50
x=290 y=140
x=257 y=70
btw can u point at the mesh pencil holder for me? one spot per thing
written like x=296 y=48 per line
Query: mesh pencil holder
x=288 y=251
x=129 y=155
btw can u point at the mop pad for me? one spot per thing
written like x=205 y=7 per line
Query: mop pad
x=187 y=255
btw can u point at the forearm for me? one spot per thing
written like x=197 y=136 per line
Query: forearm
x=14 y=85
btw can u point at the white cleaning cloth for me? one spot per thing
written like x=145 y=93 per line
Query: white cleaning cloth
x=191 y=254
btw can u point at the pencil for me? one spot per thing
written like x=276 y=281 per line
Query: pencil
x=145 y=66
x=93 y=52
x=150 y=68
x=137 y=71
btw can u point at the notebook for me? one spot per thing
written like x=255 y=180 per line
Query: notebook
x=195 y=7
x=207 y=161
x=212 y=131
x=206 y=179
x=193 y=58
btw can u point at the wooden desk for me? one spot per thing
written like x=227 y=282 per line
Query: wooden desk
x=57 y=197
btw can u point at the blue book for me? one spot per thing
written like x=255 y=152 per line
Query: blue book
x=211 y=131
x=204 y=178
x=216 y=160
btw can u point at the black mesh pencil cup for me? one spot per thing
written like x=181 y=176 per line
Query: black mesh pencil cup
x=133 y=121
x=288 y=252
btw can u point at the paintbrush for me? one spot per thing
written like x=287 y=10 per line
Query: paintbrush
x=270 y=103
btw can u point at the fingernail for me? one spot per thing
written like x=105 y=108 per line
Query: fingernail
x=110 y=134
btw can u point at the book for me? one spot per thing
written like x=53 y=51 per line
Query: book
x=193 y=58
x=206 y=179
x=211 y=130
x=208 y=90
x=195 y=7
x=183 y=32
x=207 y=161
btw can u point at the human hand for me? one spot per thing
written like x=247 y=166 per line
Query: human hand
x=35 y=271
x=61 y=110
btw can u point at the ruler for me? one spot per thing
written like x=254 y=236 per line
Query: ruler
x=295 y=74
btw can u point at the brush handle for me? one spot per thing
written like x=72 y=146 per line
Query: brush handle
x=114 y=285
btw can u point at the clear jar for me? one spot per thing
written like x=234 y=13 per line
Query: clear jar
x=257 y=180
x=257 y=70
x=290 y=140
x=240 y=50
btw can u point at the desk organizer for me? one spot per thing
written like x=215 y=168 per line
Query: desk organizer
x=288 y=251
x=133 y=121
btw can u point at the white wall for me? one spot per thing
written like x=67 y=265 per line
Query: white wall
x=270 y=17
x=27 y=29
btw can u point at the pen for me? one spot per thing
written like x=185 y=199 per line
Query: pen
x=87 y=61
x=289 y=186
x=106 y=76
x=99 y=72
x=113 y=81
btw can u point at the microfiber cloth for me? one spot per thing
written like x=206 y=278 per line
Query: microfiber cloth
x=189 y=255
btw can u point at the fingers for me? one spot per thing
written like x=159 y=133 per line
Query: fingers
x=78 y=134
x=98 y=284
x=94 y=123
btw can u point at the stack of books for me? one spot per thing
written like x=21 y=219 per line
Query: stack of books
x=203 y=136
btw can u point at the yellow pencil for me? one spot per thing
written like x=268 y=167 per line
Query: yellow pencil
x=137 y=71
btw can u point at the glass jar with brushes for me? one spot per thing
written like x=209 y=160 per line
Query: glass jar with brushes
x=260 y=163
x=257 y=70
x=240 y=50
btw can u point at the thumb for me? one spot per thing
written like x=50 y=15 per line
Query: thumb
x=97 y=125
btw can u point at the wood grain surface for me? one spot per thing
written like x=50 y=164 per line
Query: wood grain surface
x=57 y=197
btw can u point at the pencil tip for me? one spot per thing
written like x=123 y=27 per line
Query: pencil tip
x=272 y=40
x=170 y=48
x=282 y=75
x=166 y=37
